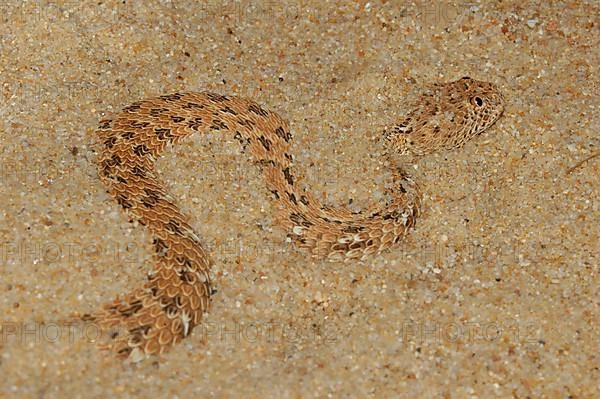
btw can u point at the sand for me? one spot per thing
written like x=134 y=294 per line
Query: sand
x=494 y=294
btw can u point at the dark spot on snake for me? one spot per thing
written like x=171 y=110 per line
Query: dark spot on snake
x=149 y=202
x=216 y=97
x=195 y=123
x=357 y=245
x=228 y=111
x=190 y=105
x=125 y=351
x=124 y=201
x=174 y=227
x=340 y=247
x=143 y=330
x=105 y=171
x=163 y=133
x=105 y=124
x=157 y=111
x=133 y=308
x=352 y=229
x=300 y=219
x=186 y=277
x=283 y=134
x=248 y=123
x=303 y=199
x=292 y=198
x=128 y=135
x=87 y=317
x=141 y=150
x=177 y=119
x=288 y=176
x=153 y=194
x=121 y=180
x=243 y=142
x=172 y=97
x=392 y=215
x=138 y=171
x=288 y=156
x=110 y=142
x=160 y=246
x=254 y=108
x=133 y=107
x=115 y=160
x=266 y=162
x=218 y=124
x=139 y=124
x=275 y=194
x=266 y=143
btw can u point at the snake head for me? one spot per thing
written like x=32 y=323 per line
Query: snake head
x=446 y=116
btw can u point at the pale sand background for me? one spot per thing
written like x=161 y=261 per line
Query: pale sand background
x=495 y=294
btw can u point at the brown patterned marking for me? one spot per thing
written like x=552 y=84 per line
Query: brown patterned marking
x=132 y=309
x=157 y=111
x=283 y=134
x=142 y=330
x=227 y=110
x=141 y=150
x=218 y=125
x=258 y=110
x=124 y=201
x=288 y=176
x=172 y=97
x=139 y=124
x=163 y=133
x=191 y=105
x=353 y=229
x=248 y=123
x=110 y=142
x=218 y=98
x=300 y=219
x=160 y=246
x=127 y=135
x=195 y=123
x=138 y=171
x=174 y=227
x=266 y=143
x=292 y=198
x=115 y=160
x=135 y=107
x=105 y=124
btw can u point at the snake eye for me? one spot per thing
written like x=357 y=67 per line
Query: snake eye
x=477 y=101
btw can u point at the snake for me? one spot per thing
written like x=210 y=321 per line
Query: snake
x=163 y=310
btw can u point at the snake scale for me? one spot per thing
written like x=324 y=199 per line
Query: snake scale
x=165 y=309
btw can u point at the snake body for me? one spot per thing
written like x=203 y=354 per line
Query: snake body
x=154 y=317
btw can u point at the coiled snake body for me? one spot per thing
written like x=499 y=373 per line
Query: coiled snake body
x=168 y=306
